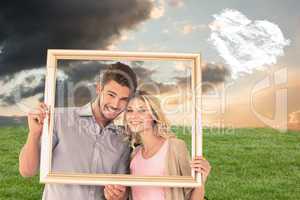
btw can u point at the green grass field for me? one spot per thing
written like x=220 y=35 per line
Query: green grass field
x=250 y=164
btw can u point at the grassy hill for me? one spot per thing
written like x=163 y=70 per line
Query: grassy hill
x=247 y=164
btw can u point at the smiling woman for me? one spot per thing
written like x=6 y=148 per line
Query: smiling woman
x=84 y=141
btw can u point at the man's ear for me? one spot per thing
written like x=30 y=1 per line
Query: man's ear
x=98 y=88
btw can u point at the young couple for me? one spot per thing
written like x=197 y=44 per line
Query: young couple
x=85 y=140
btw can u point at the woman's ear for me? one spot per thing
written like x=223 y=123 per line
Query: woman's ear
x=154 y=123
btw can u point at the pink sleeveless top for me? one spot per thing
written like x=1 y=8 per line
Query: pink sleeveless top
x=153 y=166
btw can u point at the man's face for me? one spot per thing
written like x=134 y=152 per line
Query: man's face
x=113 y=99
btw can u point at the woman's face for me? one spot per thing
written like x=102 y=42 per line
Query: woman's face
x=138 y=116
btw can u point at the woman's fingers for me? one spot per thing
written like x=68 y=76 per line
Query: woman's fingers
x=200 y=162
x=200 y=169
x=199 y=158
x=200 y=165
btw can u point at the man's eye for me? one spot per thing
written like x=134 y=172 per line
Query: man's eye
x=142 y=110
x=129 y=111
x=125 y=101
x=110 y=95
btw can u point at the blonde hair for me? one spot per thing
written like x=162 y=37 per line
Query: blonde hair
x=161 y=124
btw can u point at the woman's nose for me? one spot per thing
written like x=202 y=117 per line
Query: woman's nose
x=133 y=115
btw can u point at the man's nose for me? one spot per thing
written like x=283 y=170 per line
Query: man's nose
x=115 y=103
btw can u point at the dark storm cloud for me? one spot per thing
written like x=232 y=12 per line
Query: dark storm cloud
x=147 y=83
x=82 y=71
x=142 y=72
x=212 y=75
x=72 y=77
x=80 y=87
x=145 y=80
x=29 y=28
x=78 y=80
x=20 y=93
x=183 y=81
x=21 y=85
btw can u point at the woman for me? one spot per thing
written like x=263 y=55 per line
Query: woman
x=158 y=151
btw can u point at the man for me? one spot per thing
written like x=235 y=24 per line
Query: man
x=84 y=139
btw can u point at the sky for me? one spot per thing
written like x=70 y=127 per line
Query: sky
x=240 y=100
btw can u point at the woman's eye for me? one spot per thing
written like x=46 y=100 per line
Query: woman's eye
x=142 y=110
x=110 y=95
x=129 y=111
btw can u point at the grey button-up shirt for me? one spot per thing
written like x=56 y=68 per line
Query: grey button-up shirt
x=80 y=145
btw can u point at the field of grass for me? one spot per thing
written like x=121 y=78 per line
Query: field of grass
x=248 y=164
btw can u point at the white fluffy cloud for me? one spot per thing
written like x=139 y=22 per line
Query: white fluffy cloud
x=246 y=45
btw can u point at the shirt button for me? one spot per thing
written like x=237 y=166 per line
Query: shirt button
x=92 y=194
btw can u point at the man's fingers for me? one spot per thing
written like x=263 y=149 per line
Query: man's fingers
x=112 y=192
x=34 y=112
x=42 y=112
x=108 y=194
x=44 y=107
x=121 y=188
x=37 y=117
x=116 y=192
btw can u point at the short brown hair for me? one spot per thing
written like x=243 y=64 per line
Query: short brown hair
x=122 y=74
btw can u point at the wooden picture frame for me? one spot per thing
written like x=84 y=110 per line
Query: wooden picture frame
x=48 y=176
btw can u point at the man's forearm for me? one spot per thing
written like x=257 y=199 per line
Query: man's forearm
x=29 y=158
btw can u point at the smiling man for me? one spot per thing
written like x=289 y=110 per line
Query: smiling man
x=85 y=139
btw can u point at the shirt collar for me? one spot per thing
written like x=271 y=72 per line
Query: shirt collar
x=86 y=111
